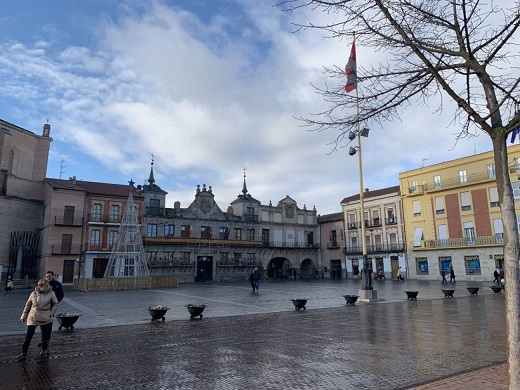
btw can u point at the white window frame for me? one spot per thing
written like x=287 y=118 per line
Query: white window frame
x=436 y=182
x=463 y=177
x=417 y=237
x=416 y=208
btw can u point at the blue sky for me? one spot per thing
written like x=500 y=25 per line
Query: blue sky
x=208 y=88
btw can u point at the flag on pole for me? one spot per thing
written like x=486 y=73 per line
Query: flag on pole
x=350 y=70
x=514 y=134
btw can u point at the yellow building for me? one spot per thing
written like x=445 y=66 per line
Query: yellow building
x=453 y=219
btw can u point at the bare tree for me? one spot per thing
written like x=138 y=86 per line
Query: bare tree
x=463 y=50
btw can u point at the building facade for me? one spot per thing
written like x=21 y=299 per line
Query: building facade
x=384 y=232
x=23 y=165
x=453 y=218
x=332 y=243
x=80 y=224
x=204 y=243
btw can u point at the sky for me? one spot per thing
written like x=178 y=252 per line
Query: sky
x=210 y=89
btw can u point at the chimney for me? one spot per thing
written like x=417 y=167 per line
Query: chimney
x=177 y=205
x=73 y=180
x=46 y=130
x=366 y=189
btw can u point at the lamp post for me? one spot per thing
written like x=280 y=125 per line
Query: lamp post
x=367 y=280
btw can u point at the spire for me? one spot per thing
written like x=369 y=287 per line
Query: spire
x=151 y=179
x=244 y=187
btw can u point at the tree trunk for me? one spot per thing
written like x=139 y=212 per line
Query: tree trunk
x=511 y=245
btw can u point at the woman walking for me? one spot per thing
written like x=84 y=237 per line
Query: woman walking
x=39 y=311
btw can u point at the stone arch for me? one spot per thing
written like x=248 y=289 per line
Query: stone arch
x=307 y=269
x=278 y=267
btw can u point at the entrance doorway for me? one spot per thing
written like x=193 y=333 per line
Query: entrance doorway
x=68 y=271
x=394 y=263
x=204 y=268
x=99 y=267
x=335 y=269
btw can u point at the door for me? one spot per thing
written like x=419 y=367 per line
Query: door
x=68 y=271
x=204 y=268
x=99 y=267
x=335 y=269
x=394 y=263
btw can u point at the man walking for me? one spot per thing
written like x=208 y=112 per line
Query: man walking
x=57 y=287
x=443 y=274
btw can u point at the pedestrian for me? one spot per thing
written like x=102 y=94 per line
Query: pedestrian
x=501 y=274
x=496 y=275
x=452 y=275
x=254 y=279
x=8 y=284
x=39 y=310
x=443 y=274
x=294 y=274
x=57 y=287
x=399 y=274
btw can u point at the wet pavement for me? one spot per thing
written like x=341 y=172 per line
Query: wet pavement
x=259 y=340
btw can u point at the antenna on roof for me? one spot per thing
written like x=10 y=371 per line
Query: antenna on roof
x=62 y=165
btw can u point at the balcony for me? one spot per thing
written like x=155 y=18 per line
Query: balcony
x=155 y=212
x=65 y=249
x=250 y=218
x=460 y=242
x=62 y=221
x=332 y=245
x=175 y=262
x=374 y=249
x=99 y=248
x=353 y=225
x=96 y=219
x=453 y=182
x=391 y=221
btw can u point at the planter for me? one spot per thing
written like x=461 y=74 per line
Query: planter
x=411 y=294
x=448 y=292
x=299 y=303
x=496 y=289
x=67 y=320
x=195 y=310
x=473 y=290
x=158 y=312
x=351 y=299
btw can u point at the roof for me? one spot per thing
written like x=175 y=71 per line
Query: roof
x=373 y=194
x=92 y=187
x=335 y=217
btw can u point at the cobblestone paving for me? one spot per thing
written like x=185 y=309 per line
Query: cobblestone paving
x=396 y=344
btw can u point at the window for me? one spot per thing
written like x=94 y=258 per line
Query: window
x=493 y=197
x=185 y=231
x=129 y=266
x=390 y=216
x=151 y=230
x=439 y=205
x=491 y=171
x=393 y=242
x=436 y=182
x=333 y=238
x=96 y=211
x=169 y=230
x=222 y=233
x=66 y=244
x=421 y=265
x=463 y=177
x=416 y=208
x=95 y=237
x=516 y=191
x=417 y=237
x=112 y=237
x=465 y=201
x=68 y=215
x=114 y=212
x=205 y=232
x=472 y=264
x=378 y=243
x=445 y=264
x=224 y=258
x=310 y=238
x=237 y=234
x=265 y=236
x=376 y=221
x=250 y=234
x=469 y=233
x=443 y=235
x=498 y=227
x=413 y=186
x=516 y=167
x=354 y=244
x=352 y=223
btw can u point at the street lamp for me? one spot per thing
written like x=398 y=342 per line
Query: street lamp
x=367 y=289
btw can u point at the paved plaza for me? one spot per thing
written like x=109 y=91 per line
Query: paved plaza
x=259 y=341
